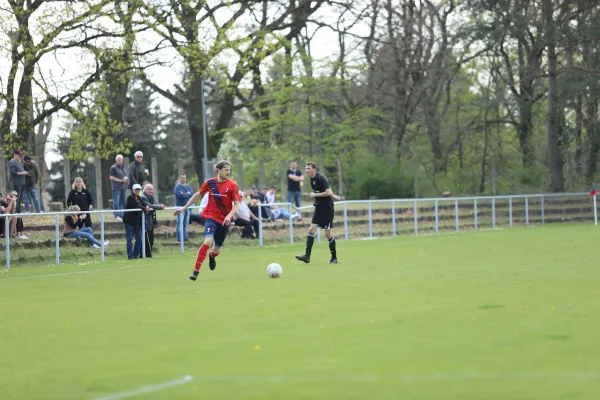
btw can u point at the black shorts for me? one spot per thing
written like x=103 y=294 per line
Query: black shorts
x=323 y=217
x=215 y=230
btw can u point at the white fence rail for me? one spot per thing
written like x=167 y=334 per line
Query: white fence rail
x=431 y=215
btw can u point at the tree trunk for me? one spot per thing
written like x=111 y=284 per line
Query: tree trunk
x=524 y=129
x=195 y=121
x=25 y=106
x=553 y=130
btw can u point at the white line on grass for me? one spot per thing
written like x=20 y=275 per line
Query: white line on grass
x=148 y=389
x=70 y=273
x=406 y=378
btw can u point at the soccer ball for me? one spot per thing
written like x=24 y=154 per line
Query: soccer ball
x=274 y=270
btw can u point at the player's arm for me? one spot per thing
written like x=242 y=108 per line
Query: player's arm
x=191 y=201
x=327 y=193
x=234 y=210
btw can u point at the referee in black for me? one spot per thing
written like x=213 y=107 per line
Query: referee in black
x=323 y=216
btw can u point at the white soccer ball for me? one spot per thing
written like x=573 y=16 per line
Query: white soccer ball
x=274 y=270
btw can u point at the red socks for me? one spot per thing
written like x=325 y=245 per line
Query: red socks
x=213 y=255
x=201 y=256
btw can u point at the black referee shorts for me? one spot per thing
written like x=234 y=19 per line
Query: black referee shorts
x=323 y=217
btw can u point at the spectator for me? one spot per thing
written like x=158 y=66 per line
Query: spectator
x=266 y=211
x=133 y=222
x=183 y=193
x=295 y=179
x=7 y=206
x=73 y=228
x=137 y=170
x=19 y=227
x=271 y=195
x=246 y=219
x=118 y=181
x=278 y=212
x=17 y=176
x=30 y=192
x=80 y=196
x=10 y=204
x=149 y=200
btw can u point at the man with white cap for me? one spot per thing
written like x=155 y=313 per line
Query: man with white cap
x=133 y=222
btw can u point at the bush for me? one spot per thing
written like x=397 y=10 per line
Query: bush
x=378 y=177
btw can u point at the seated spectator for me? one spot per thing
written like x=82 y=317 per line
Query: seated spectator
x=266 y=213
x=270 y=195
x=10 y=205
x=246 y=219
x=277 y=212
x=73 y=228
x=7 y=206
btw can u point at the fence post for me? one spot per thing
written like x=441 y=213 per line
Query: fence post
x=370 y=221
x=526 y=210
x=493 y=213
x=437 y=218
x=340 y=177
x=510 y=212
x=345 y=221
x=261 y=174
x=143 y=235
x=239 y=170
x=595 y=212
x=282 y=180
x=3 y=185
x=318 y=235
x=475 y=213
x=456 y=215
x=393 y=218
x=260 y=230
x=98 y=178
x=102 y=237
x=57 y=229
x=181 y=231
x=291 y=223
x=66 y=177
x=416 y=217
x=154 y=167
x=542 y=204
x=7 y=239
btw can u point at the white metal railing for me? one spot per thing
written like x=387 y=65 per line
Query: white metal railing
x=408 y=203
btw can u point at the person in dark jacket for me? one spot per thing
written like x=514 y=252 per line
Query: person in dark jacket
x=138 y=172
x=81 y=197
x=149 y=200
x=133 y=222
x=30 y=192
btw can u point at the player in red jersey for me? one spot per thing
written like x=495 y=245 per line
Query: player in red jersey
x=223 y=203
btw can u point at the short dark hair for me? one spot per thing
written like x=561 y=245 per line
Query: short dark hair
x=222 y=164
x=273 y=187
x=311 y=164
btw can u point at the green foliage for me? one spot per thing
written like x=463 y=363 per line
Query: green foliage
x=376 y=177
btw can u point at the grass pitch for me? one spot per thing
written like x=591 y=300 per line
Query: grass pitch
x=509 y=314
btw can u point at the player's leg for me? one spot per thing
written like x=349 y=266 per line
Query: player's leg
x=220 y=236
x=329 y=234
x=210 y=228
x=332 y=250
x=310 y=239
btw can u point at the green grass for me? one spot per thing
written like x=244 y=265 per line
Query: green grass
x=509 y=314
